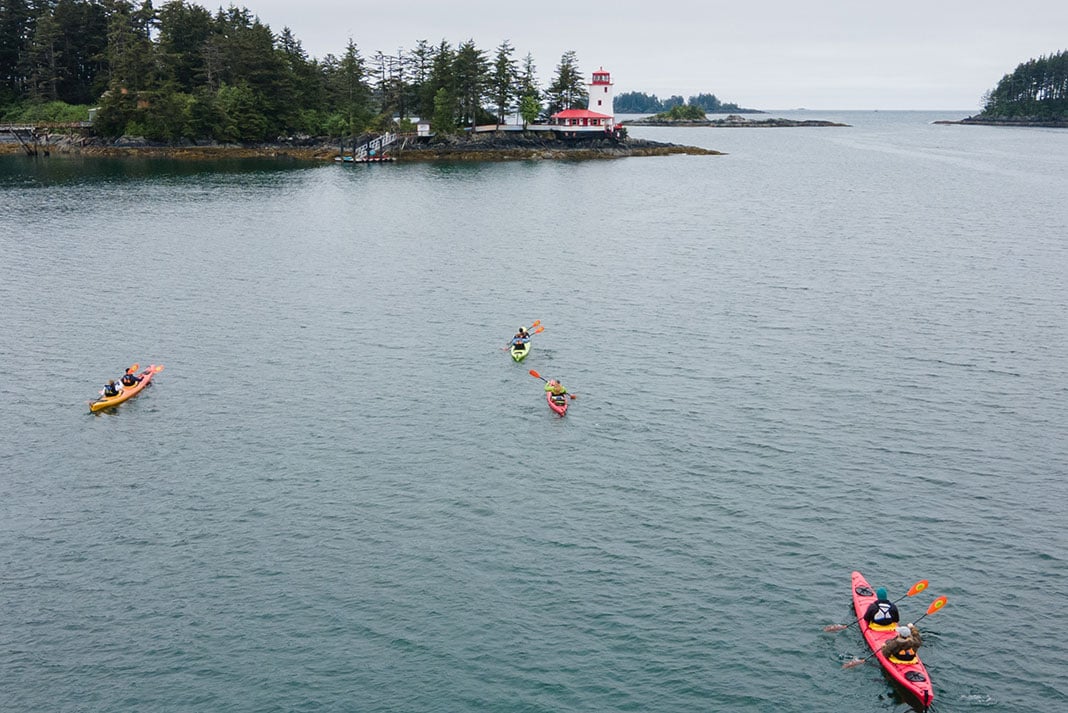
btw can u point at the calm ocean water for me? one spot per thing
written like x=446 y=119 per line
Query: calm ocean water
x=831 y=349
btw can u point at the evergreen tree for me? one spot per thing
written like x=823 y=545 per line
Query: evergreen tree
x=45 y=57
x=351 y=93
x=17 y=28
x=83 y=69
x=130 y=52
x=504 y=80
x=184 y=30
x=417 y=70
x=529 y=94
x=568 y=88
x=440 y=78
x=471 y=74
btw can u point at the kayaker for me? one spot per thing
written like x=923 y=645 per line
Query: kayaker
x=902 y=648
x=130 y=378
x=556 y=389
x=110 y=389
x=881 y=614
x=521 y=337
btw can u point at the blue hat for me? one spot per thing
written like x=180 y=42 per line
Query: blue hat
x=880 y=593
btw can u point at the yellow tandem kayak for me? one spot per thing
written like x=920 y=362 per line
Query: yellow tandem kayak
x=126 y=392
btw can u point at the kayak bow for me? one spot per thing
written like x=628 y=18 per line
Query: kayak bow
x=560 y=406
x=520 y=351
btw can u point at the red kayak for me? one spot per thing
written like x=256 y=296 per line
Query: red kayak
x=559 y=405
x=912 y=676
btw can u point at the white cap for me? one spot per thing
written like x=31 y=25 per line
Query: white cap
x=903 y=631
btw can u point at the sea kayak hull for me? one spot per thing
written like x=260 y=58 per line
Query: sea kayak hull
x=559 y=408
x=519 y=354
x=125 y=392
x=911 y=677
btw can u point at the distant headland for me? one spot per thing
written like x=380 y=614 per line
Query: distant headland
x=1034 y=94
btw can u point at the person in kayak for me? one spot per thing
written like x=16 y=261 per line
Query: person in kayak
x=882 y=614
x=130 y=378
x=902 y=648
x=111 y=389
x=521 y=337
x=557 y=390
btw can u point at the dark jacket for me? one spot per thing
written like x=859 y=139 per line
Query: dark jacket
x=882 y=611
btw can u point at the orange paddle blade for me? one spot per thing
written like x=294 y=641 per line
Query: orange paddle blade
x=535 y=374
x=835 y=627
x=936 y=605
x=854 y=662
x=917 y=588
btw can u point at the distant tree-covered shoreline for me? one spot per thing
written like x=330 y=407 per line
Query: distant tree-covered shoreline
x=1037 y=90
x=641 y=103
x=181 y=72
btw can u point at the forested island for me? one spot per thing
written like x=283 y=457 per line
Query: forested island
x=1035 y=94
x=640 y=103
x=690 y=115
x=181 y=75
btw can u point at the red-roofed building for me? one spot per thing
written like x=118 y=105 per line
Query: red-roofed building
x=580 y=117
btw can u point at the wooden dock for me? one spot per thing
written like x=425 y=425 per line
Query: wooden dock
x=29 y=135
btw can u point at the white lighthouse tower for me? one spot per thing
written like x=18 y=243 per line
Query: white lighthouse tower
x=601 y=94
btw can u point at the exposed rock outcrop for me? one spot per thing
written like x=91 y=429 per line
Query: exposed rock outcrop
x=730 y=121
x=487 y=146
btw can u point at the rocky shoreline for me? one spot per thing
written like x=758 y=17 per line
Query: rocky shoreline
x=993 y=121
x=503 y=146
x=732 y=121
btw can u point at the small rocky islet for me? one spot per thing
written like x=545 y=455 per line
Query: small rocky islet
x=730 y=121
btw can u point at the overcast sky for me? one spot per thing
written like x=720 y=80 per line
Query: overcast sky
x=763 y=54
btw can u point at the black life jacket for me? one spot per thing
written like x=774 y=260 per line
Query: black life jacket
x=110 y=390
x=882 y=614
x=128 y=379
